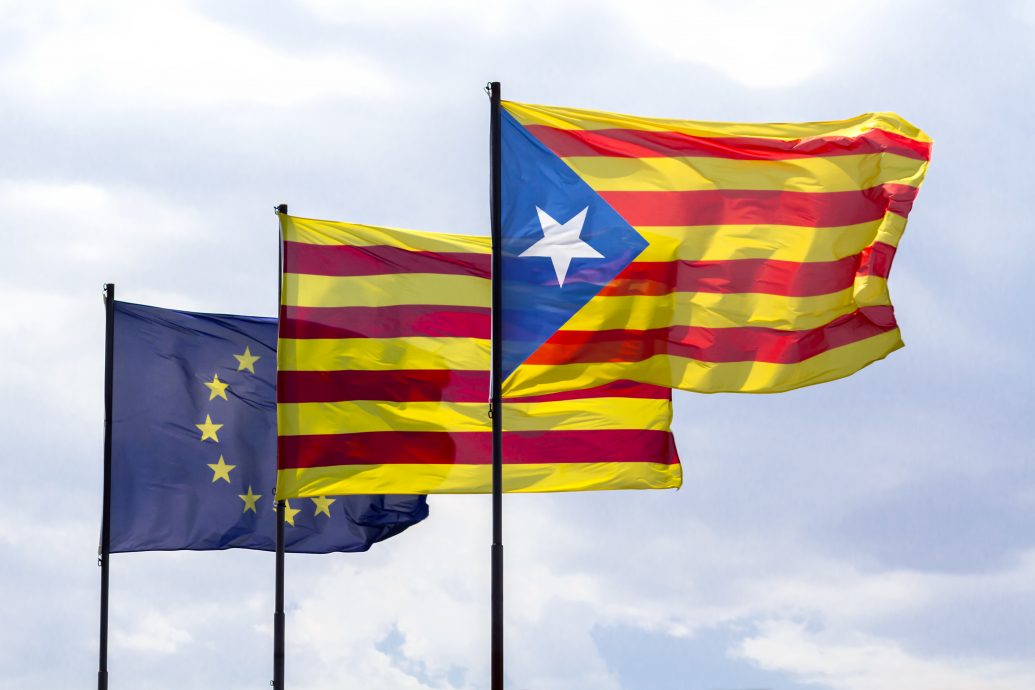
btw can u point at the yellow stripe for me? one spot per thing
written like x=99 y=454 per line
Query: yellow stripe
x=574 y=118
x=475 y=479
x=353 y=417
x=819 y=174
x=304 y=290
x=707 y=377
x=713 y=310
x=776 y=242
x=382 y=354
x=300 y=419
x=870 y=291
x=891 y=229
x=325 y=232
x=588 y=413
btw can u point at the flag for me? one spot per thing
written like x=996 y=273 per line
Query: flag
x=194 y=444
x=703 y=256
x=384 y=379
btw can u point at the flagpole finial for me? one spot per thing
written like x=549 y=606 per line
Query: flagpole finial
x=280 y=209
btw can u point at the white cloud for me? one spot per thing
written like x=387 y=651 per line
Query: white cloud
x=860 y=662
x=469 y=13
x=79 y=225
x=71 y=237
x=756 y=43
x=753 y=42
x=563 y=582
x=85 y=203
x=153 y=632
x=421 y=589
x=114 y=57
x=1025 y=9
x=68 y=237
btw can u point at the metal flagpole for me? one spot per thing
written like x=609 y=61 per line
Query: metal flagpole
x=495 y=404
x=105 y=547
x=278 y=612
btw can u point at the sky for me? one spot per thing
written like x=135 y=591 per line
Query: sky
x=869 y=533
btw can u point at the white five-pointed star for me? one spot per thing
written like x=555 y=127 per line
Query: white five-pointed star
x=562 y=242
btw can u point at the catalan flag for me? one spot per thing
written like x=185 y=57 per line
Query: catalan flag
x=704 y=256
x=383 y=379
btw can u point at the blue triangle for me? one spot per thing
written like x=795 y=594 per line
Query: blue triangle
x=535 y=305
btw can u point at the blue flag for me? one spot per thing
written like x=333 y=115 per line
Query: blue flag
x=194 y=438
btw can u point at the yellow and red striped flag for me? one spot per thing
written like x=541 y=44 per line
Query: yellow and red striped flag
x=383 y=380
x=703 y=256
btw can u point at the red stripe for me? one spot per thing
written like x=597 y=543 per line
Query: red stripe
x=475 y=448
x=413 y=385
x=385 y=322
x=876 y=260
x=767 y=276
x=346 y=260
x=761 y=207
x=410 y=385
x=635 y=143
x=747 y=344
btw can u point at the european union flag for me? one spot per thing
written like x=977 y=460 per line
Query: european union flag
x=194 y=438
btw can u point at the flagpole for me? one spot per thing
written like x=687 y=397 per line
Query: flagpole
x=496 y=402
x=105 y=547
x=278 y=612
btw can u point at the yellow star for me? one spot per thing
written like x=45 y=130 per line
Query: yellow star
x=249 y=499
x=208 y=429
x=217 y=387
x=247 y=360
x=290 y=513
x=221 y=470
x=323 y=505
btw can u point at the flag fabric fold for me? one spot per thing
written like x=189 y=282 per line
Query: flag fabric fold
x=712 y=257
x=194 y=444
x=383 y=379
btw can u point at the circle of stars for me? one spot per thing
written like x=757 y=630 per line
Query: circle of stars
x=221 y=469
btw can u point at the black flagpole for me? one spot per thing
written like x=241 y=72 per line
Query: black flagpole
x=495 y=405
x=102 y=560
x=278 y=612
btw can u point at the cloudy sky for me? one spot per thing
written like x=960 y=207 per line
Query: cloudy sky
x=871 y=533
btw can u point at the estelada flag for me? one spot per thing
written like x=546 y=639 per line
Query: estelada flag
x=383 y=379
x=704 y=256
